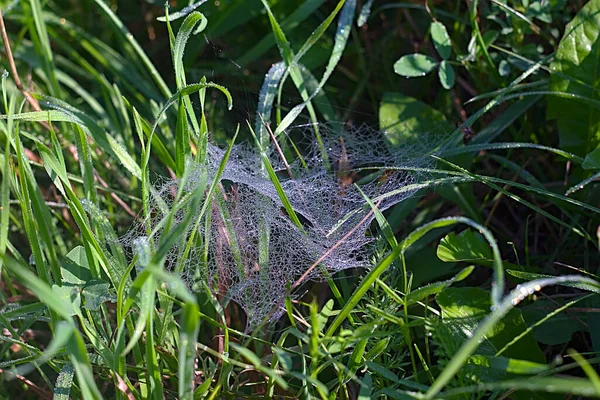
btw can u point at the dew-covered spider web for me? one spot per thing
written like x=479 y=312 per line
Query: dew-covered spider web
x=249 y=250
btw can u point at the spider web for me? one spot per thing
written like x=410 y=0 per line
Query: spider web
x=327 y=192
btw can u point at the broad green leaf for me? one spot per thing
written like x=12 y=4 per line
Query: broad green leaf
x=463 y=309
x=406 y=119
x=74 y=267
x=70 y=296
x=467 y=246
x=509 y=365
x=284 y=358
x=95 y=293
x=413 y=65
x=366 y=384
x=446 y=75
x=441 y=39
x=592 y=160
x=558 y=329
x=576 y=70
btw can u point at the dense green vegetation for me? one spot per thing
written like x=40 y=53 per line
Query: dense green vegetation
x=300 y=199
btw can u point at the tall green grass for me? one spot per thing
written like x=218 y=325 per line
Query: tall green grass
x=82 y=318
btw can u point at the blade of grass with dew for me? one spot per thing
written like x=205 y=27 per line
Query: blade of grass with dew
x=187 y=90
x=509 y=302
x=542 y=320
x=494 y=102
x=474 y=148
x=178 y=47
x=369 y=279
x=291 y=62
x=322 y=102
x=5 y=197
x=470 y=177
x=489 y=181
x=493 y=129
x=541 y=82
x=582 y=184
x=86 y=166
x=37 y=218
x=190 y=325
x=265 y=102
x=364 y=14
x=182 y=13
x=104 y=140
x=568 y=386
x=341 y=38
x=182 y=139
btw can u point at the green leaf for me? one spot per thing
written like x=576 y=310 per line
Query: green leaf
x=509 y=365
x=576 y=70
x=404 y=118
x=70 y=296
x=284 y=358
x=463 y=309
x=436 y=287
x=366 y=384
x=413 y=65
x=558 y=329
x=75 y=269
x=592 y=160
x=95 y=293
x=64 y=382
x=446 y=75
x=441 y=40
x=467 y=246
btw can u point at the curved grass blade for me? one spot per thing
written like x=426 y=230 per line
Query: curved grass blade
x=364 y=14
x=265 y=102
x=583 y=184
x=510 y=145
x=341 y=38
x=382 y=266
x=182 y=13
x=509 y=302
x=65 y=113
